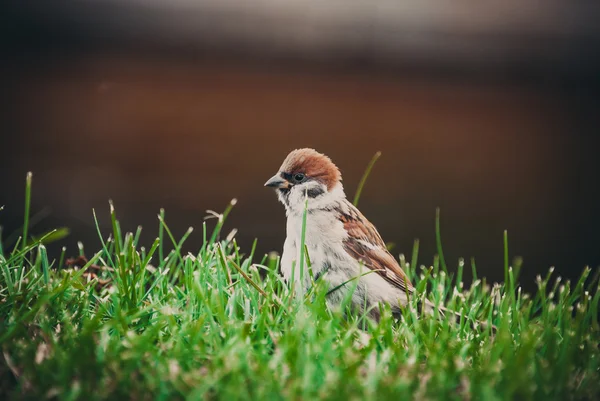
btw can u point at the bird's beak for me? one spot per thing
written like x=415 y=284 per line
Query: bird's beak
x=277 y=182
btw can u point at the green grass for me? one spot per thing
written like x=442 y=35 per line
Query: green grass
x=154 y=323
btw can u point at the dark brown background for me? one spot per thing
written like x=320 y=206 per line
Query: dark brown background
x=494 y=125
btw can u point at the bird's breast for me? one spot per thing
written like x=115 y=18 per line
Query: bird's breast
x=323 y=237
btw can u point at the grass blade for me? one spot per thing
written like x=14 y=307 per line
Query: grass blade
x=438 y=241
x=28 y=180
x=363 y=180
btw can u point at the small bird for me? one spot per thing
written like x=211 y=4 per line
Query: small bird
x=342 y=244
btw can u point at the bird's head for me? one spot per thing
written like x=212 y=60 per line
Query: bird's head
x=306 y=173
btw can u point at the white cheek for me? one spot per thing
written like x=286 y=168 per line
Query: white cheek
x=299 y=191
x=296 y=197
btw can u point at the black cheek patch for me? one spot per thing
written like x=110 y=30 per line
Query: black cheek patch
x=285 y=192
x=314 y=192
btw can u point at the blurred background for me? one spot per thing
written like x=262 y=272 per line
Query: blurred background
x=488 y=110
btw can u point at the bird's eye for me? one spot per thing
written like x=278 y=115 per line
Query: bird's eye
x=299 y=177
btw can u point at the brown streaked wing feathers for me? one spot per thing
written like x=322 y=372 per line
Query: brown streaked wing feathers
x=360 y=233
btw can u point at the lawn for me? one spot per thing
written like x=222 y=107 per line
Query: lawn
x=146 y=321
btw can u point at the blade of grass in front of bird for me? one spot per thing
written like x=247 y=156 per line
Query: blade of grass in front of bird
x=473 y=269
x=16 y=248
x=309 y=264
x=236 y=251
x=595 y=301
x=9 y=284
x=459 y=273
x=16 y=255
x=253 y=249
x=239 y=270
x=302 y=244
x=221 y=220
x=186 y=235
x=438 y=241
x=33 y=220
x=172 y=238
x=136 y=238
x=28 y=180
x=421 y=286
x=363 y=180
x=22 y=319
x=414 y=260
x=151 y=252
x=223 y=261
x=161 y=218
x=578 y=289
x=104 y=247
x=202 y=252
x=116 y=229
x=61 y=259
x=43 y=257
x=505 y=237
x=334 y=289
x=55 y=235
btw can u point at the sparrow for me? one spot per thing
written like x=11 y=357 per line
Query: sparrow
x=342 y=244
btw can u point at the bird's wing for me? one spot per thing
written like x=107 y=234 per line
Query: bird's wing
x=366 y=245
